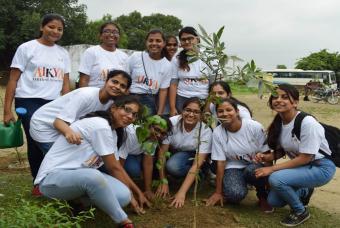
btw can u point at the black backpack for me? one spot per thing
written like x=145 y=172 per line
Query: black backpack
x=332 y=135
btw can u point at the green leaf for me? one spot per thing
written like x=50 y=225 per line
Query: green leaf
x=220 y=32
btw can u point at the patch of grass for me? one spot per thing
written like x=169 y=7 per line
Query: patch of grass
x=240 y=89
x=15 y=184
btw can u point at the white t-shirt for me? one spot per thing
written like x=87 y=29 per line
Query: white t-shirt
x=158 y=73
x=312 y=138
x=97 y=62
x=131 y=144
x=243 y=111
x=238 y=148
x=181 y=140
x=192 y=83
x=69 y=108
x=98 y=140
x=43 y=68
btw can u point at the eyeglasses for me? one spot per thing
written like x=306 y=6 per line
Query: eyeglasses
x=129 y=110
x=195 y=112
x=109 y=32
x=185 y=39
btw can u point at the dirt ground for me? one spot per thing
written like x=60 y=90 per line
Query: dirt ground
x=324 y=197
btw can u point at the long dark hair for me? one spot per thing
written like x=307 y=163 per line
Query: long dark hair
x=107 y=115
x=157 y=31
x=182 y=56
x=274 y=129
x=227 y=89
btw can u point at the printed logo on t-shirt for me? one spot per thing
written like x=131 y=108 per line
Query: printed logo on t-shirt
x=151 y=83
x=195 y=81
x=94 y=162
x=48 y=74
x=103 y=75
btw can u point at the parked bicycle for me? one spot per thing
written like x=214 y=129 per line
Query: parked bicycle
x=326 y=95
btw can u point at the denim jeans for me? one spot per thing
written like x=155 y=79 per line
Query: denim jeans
x=44 y=147
x=106 y=192
x=180 y=163
x=235 y=183
x=133 y=165
x=179 y=103
x=288 y=186
x=149 y=101
x=34 y=154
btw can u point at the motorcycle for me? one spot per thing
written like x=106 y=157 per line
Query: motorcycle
x=326 y=95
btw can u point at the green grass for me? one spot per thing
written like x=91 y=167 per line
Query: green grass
x=16 y=186
x=241 y=89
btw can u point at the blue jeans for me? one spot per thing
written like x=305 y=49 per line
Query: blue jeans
x=179 y=103
x=235 y=183
x=34 y=154
x=106 y=192
x=44 y=147
x=149 y=101
x=288 y=186
x=133 y=165
x=180 y=163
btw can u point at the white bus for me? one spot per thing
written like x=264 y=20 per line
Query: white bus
x=299 y=77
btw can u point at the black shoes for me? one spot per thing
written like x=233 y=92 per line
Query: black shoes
x=294 y=219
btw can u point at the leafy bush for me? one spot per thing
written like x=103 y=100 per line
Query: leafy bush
x=54 y=213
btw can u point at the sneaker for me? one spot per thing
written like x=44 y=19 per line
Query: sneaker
x=305 y=200
x=36 y=191
x=264 y=206
x=294 y=219
x=306 y=98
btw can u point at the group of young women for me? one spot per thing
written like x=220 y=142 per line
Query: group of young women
x=70 y=138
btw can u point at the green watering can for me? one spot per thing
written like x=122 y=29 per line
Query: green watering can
x=11 y=135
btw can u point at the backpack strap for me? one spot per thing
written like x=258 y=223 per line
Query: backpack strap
x=297 y=129
x=297 y=124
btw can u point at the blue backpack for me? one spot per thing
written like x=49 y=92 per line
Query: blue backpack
x=332 y=135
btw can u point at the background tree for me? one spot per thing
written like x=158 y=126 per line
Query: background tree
x=322 y=60
x=135 y=27
x=20 y=22
x=281 y=66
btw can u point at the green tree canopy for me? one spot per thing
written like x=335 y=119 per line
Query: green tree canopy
x=281 y=66
x=322 y=60
x=136 y=27
x=20 y=22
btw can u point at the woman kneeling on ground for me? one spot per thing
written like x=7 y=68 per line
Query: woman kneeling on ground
x=292 y=182
x=69 y=171
x=183 y=142
x=137 y=162
x=234 y=145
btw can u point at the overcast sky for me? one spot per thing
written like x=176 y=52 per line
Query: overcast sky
x=269 y=31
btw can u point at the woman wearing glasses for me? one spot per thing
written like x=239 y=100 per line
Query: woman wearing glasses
x=54 y=118
x=69 y=171
x=188 y=79
x=235 y=143
x=97 y=61
x=184 y=142
x=151 y=73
